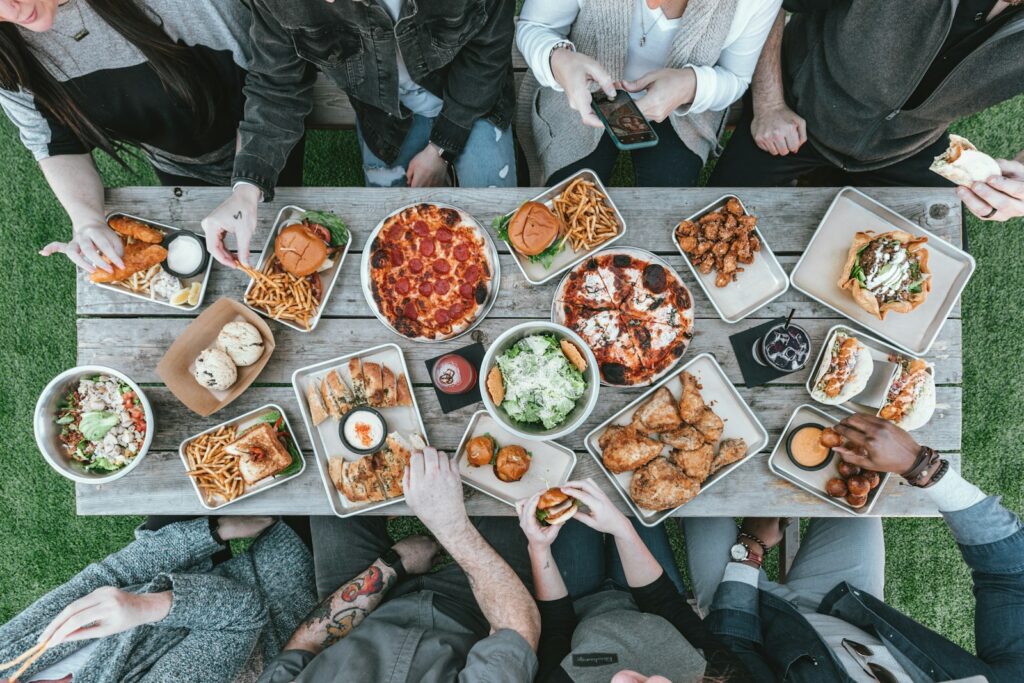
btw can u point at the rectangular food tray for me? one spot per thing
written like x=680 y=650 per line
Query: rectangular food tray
x=239 y=421
x=327 y=444
x=718 y=392
x=814 y=481
x=759 y=284
x=203 y=277
x=329 y=277
x=819 y=270
x=535 y=273
x=551 y=463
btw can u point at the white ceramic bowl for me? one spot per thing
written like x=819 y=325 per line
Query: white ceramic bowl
x=48 y=432
x=584 y=405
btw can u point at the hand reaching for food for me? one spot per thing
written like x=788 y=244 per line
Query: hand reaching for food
x=433 y=491
x=601 y=514
x=667 y=90
x=235 y=215
x=872 y=443
x=1000 y=198
x=575 y=72
x=92 y=245
x=104 y=612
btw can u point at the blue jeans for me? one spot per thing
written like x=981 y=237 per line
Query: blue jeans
x=488 y=160
x=589 y=561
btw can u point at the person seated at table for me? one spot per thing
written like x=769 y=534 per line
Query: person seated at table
x=162 y=75
x=159 y=610
x=828 y=621
x=868 y=88
x=620 y=595
x=431 y=85
x=683 y=63
x=383 y=618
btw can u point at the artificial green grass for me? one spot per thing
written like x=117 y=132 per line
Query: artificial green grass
x=44 y=541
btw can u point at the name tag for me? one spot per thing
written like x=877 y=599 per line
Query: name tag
x=595 y=659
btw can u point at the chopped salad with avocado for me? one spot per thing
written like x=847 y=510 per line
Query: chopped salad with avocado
x=102 y=424
x=541 y=385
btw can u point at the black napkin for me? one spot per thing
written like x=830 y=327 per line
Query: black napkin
x=755 y=374
x=474 y=353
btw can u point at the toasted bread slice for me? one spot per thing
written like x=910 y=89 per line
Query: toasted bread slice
x=575 y=356
x=261 y=454
x=390 y=468
x=337 y=395
x=390 y=387
x=404 y=394
x=359 y=482
x=374 y=380
x=317 y=408
x=355 y=372
x=399 y=446
x=496 y=385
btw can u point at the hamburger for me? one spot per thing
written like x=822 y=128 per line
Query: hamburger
x=556 y=507
x=844 y=372
x=306 y=247
x=532 y=230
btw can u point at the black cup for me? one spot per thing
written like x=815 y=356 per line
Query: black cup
x=783 y=348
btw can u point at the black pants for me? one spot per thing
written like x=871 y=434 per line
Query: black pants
x=344 y=548
x=669 y=163
x=744 y=164
x=291 y=174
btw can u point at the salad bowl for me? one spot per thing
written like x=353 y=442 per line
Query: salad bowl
x=584 y=405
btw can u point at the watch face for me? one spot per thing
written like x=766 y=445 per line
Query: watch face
x=738 y=552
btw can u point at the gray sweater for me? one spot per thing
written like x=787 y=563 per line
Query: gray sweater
x=225 y=621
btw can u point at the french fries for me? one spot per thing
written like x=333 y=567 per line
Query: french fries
x=587 y=217
x=282 y=295
x=215 y=470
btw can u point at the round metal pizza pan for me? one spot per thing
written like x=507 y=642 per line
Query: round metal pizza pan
x=558 y=318
x=492 y=256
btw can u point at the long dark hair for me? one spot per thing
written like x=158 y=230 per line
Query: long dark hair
x=176 y=66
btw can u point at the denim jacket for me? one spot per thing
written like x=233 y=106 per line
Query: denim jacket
x=777 y=643
x=459 y=50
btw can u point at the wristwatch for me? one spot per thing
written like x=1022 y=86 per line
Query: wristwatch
x=392 y=559
x=741 y=552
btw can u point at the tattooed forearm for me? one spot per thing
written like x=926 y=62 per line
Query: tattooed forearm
x=343 y=610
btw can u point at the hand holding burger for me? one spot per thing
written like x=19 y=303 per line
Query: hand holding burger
x=539 y=535
x=601 y=514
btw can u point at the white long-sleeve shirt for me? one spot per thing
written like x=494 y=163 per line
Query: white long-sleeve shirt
x=546 y=23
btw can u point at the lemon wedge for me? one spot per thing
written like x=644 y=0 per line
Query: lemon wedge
x=193 y=293
x=180 y=298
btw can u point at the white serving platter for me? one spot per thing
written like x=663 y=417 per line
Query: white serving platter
x=813 y=481
x=326 y=437
x=551 y=463
x=537 y=274
x=203 y=277
x=760 y=283
x=241 y=423
x=717 y=392
x=289 y=215
x=819 y=270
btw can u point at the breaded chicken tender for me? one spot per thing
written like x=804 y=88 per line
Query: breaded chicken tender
x=138 y=256
x=660 y=485
x=129 y=227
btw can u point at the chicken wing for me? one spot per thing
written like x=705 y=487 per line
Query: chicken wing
x=710 y=425
x=628 y=449
x=686 y=438
x=138 y=256
x=658 y=413
x=660 y=485
x=696 y=463
x=729 y=452
x=691 y=405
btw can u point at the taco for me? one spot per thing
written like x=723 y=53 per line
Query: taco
x=910 y=399
x=844 y=370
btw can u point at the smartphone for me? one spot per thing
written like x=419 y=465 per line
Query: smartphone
x=623 y=120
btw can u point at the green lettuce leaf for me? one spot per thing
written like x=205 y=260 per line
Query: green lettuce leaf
x=336 y=226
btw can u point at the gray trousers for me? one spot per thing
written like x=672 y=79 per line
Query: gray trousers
x=833 y=550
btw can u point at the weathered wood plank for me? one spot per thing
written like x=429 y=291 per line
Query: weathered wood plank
x=518 y=299
x=160 y=486
x=103 y=341
x=772 y=405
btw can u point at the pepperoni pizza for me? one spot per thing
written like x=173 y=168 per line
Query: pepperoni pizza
x=430 y=272
x=634 y=313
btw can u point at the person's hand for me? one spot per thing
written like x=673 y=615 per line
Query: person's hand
x=777 y=129
x=601 y=514
x=427 y=169
x=1002 y=194
x=418 y=553
x=433 y=491
x=575 y=72
x=768 y=529
x=235 y=215
x=104 y=612
x=89 y=244
x=876 y=444
x=539 y=536
x=230 y=528
x=667 y=90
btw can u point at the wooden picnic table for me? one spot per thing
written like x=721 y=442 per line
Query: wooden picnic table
x=132 y=335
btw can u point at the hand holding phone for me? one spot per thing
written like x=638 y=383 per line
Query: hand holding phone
x=666 y=91
x=576 y=72
x=625 y=123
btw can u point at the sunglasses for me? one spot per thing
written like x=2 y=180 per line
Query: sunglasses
x=861 y=654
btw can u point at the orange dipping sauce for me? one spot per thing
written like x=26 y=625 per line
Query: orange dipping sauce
x=805 y=448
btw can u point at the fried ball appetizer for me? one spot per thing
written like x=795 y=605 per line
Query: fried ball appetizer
x=830 y=438
x=874 y=478
x=856 y=501
x=847 y=469
x=511 y=463
x=836 y=487
x=480 y=450
x=858 y=485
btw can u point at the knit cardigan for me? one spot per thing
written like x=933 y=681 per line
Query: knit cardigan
x=225 y=622
x=550 y=131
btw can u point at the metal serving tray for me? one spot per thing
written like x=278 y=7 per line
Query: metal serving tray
x=492 y=255
x=326 y=438
x=203 y=277
x=329 y=277
x=819 y=269
x=814 y=481
x=242 y=422
x=761 y=282
x=535 y=273
x=719 y=392
x=551 y=463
